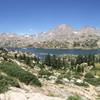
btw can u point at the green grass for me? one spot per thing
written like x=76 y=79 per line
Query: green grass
x=76 y=97
x=45 y=72
x=90 y=77
x=93 y=81
x=17 y=72
x=6 y=82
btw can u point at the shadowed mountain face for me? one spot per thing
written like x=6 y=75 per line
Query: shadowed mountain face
x=62 y=36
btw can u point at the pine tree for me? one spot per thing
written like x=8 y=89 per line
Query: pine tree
x=47 y=60
x=54 y=61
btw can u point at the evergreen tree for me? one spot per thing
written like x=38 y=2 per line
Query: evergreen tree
x=54 y=61
x=15 y=55
x=47 y=60
x=59 y=63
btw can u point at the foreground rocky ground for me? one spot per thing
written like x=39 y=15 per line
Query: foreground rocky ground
x=20 y=94
x=50 y=89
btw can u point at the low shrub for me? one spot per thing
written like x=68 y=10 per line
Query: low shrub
x=11 y=81
x=89 y=75
x=58 y=81
x=93 y=81
x=76 y=97
x=16 y=71
x=6 y=81
x=3 y=86
x=45 y=72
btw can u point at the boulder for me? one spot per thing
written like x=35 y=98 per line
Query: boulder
x=65 y=80
x=53 y=78
x=98 y=88
x=79 y=81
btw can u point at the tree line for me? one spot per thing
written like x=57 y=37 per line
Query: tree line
x=62 y=62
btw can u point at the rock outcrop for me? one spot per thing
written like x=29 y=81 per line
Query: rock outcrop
x=19 y=94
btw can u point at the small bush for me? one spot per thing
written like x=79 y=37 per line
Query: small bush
x=5 y=82
x=11 y=81
x=76 y=97
x=89 y=75
x=3 y=86
x=45 y=72
x=59 y=80
x=16 y=71
x=67 y=75
x=93 y=81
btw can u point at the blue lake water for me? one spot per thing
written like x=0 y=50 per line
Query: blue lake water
x=40 y=52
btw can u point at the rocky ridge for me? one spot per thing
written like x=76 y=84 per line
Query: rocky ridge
x=62 y=36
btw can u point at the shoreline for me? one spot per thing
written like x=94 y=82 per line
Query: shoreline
x=50 y=48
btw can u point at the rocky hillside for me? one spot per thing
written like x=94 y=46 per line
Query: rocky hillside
x=62 y=36
x=24 y=77
x=14 y=40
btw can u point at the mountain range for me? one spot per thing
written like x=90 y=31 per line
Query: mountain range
x=62 y=36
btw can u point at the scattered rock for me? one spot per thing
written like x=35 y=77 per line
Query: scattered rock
x=79 y=81
x=98 y=88
x=65 y=80
x=53 y=78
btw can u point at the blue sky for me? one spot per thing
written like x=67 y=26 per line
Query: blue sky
x=33 y=16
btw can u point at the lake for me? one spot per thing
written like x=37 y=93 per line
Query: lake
x=40 y=52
